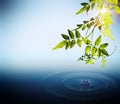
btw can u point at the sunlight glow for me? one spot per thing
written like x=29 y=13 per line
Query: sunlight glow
x=103 y=11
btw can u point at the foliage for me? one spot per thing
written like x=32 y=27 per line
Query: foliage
x=93 y=49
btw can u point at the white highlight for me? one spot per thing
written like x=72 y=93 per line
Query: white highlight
x=104 y=10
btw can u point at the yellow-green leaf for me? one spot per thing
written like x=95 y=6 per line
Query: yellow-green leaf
x=89 y=62
x=81 y=10
x=103 y=46
x=94 y=50
x=84 y=27
x=103 y=62
x=60 y=45
x=98 y=40
x=117 y=9
x=115 y=2
x=86 y=41
x=79 y=42
x=87 y=49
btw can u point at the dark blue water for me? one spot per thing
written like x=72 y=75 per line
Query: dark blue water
x=58 y=87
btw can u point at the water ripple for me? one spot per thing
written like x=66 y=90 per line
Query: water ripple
x=79 y=86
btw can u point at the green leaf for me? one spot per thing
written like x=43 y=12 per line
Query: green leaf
x=81 y=10
x=88 y=8
x=72 y=43
x=84 y=4
x=94 y=50
x=88 y=25
x=60 y=45
x=89 y=62
x=77 y=34
x=115 y=2
x=103 y=46
x=93 y=5
x=117 y=9
x=91 y=0
x=65 y=36
x=104 y=52
x=99 y=53
x=88 y=42
x=85 y=22
x=84 y=27
x=91 y=24
x=100 y=27
x=79 y=42
x=71 y=34
x=92 y=19
x=87 y=50
x=79 y=25
x=103 y=62
x=98 y=40
x=67 y=45
x=85 y=40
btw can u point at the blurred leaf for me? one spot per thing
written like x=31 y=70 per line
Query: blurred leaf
x=85 y=22
x=98 y=40
x=65 y=36
x=100 y=27
x=60 y=45
x=79 y=42
x=117 y=9
x=89 y=62
x=115 y=2
x=81 y=10
x=71 y=34
x=91 y=0
x=88 y=8
x=92 y=19
x=88 y=25
x=93 y=5
x=103 y=62
x=77 y=34
x=91 y=24
x=103 y=46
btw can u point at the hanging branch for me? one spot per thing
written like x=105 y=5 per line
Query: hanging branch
x=94 y=50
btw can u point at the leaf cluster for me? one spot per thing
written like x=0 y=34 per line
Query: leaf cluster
x=94 y=49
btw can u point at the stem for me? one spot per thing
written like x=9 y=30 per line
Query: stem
x=92 y=35
x=91 y=32
x=87 y=32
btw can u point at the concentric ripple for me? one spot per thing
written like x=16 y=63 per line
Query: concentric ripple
x=79 y=86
